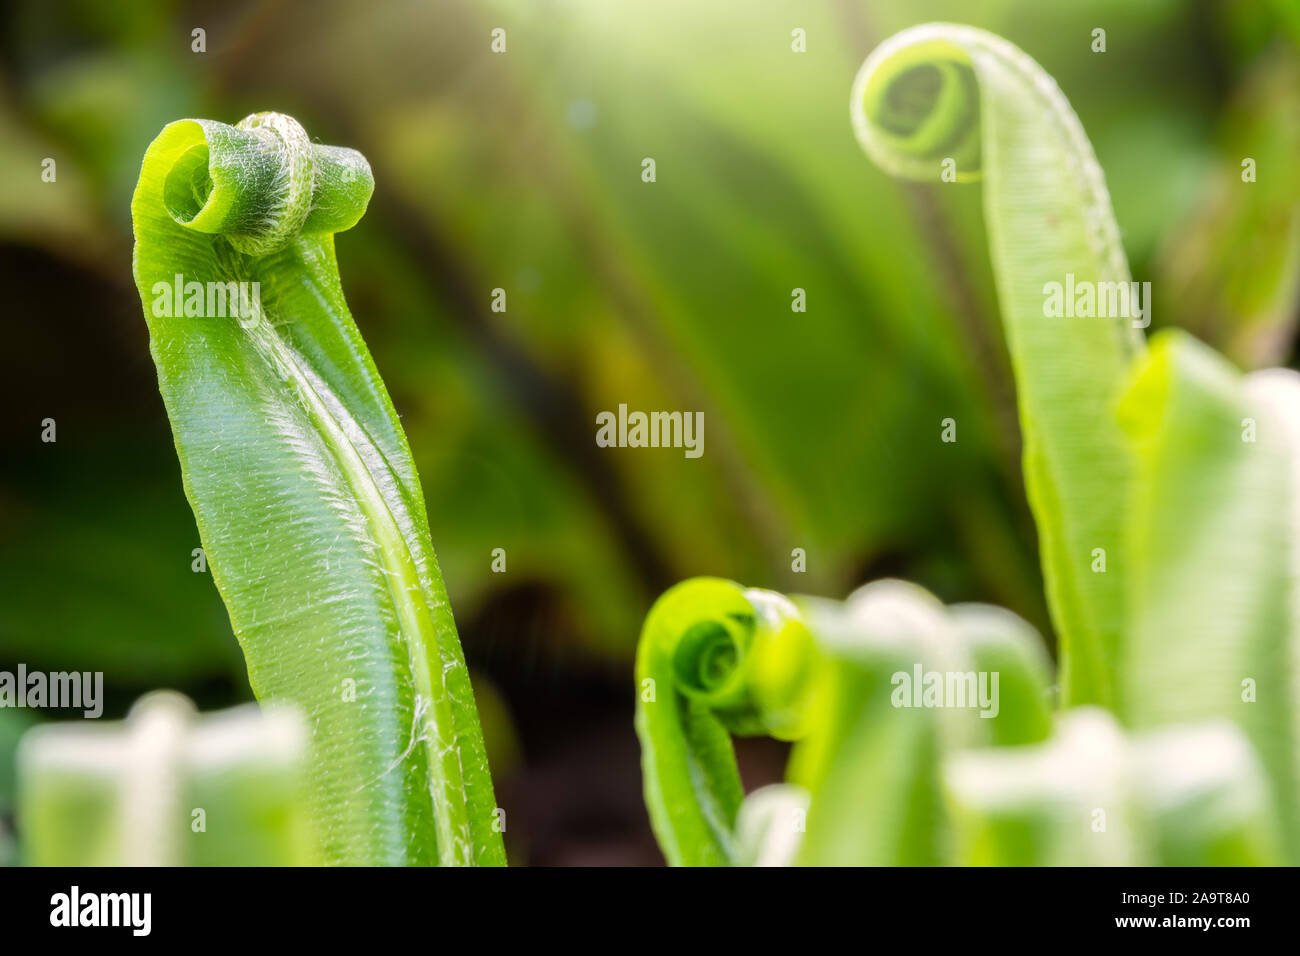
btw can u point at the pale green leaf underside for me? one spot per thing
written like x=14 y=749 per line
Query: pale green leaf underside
x=304 y=489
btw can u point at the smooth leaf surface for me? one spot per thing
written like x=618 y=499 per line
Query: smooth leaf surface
x=303 y=486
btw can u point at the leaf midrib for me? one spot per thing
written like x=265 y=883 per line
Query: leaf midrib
x=410 y=601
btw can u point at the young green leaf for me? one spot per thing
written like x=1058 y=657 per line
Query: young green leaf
x=303 y=486
x=714 y=659
x=938 y=93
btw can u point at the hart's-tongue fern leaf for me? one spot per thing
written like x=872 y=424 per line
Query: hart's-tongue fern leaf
x=306 y=495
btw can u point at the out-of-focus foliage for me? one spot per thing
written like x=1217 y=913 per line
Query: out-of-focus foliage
x=1212 y=628
x=872 y=758
x=167 y=788
x=717 y=659
x=1192 y=795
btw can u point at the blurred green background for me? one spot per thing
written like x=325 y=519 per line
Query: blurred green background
x=522 y=170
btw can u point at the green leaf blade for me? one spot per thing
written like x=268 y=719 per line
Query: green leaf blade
x=305 y=492
x=943 y=91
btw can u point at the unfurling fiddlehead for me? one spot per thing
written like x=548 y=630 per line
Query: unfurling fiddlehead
x=261 y=183
x=714 y=659
x=303 y=485
x=717 y=659
x=939 y=98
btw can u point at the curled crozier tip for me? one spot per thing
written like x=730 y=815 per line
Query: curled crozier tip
x=259 y=183
x=712 y=662
x=702 y=629
x=915 y=106
x=745 y=654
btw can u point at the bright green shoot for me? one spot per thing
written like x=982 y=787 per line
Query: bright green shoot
x=306 y=496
